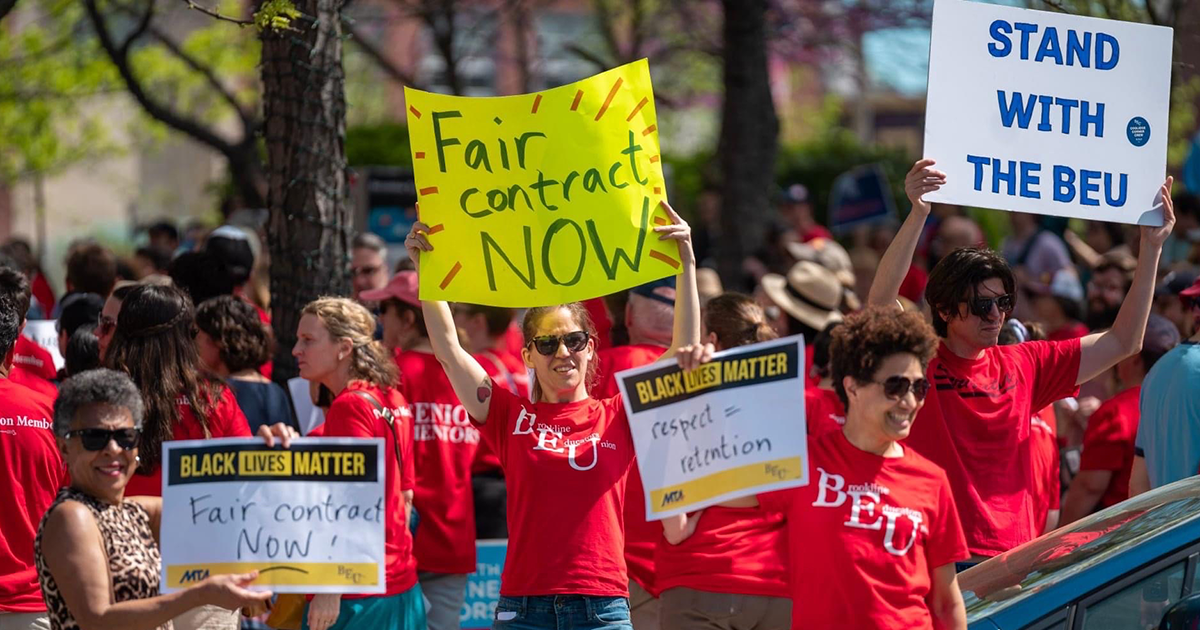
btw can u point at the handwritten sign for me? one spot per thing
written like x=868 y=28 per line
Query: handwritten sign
x=309 y=519
x=1048 y=113
x=731 y=428
x=543 y=198
x=483 y=586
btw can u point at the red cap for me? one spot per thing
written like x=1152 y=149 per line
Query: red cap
x=1192 y=291
x=402 y=286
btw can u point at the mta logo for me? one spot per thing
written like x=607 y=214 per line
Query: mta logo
x=195 y=575
x=672 y=497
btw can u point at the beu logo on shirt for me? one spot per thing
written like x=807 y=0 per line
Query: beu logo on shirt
x=548 y=439
x=864 y=499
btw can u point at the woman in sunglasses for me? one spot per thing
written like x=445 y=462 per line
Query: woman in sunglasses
x=887 y=531
x=153 y=343
x=565 y=455
x=336 y=347
x=96 y=550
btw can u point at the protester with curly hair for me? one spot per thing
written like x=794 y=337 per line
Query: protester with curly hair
x=233 y=342
x=335 y=347
x=876 y=517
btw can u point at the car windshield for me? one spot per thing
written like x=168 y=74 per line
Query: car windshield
x=1011 y=577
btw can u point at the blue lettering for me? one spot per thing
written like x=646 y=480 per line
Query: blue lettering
x=1067 y=105
x=1026 y=29
x=978 y=161
x=1029 y=178
x=1009 y=178
x=1094 y=119
x=1107 y=62
x=1120 y=200
x=1079 y=51
x=1064 y=184
x=1049 y=47
x=1046 y=102
x=1003 y=45
x=1088 y=185
x=1013 y=108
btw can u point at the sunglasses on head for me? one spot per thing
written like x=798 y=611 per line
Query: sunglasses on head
x=98 y=439
x=982 y=306
x=548 y=345
x=898 y=386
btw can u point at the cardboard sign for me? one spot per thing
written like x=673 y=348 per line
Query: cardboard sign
x=731 y=428
x=543 y=198
x=309 y=519
x=860 y=196
x=483 y=586
x=1048 y=113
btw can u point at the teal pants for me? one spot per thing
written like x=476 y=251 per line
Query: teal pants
x=405 y=611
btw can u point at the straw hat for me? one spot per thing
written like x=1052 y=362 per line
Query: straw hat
x=827 y=253
x=810 y=293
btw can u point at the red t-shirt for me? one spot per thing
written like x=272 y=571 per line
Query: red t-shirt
x=508 y=371
x=733 y=550
x=1108 y=442
x=33 y=471
x=26 y=377
x=824 y=411
x=352 y=415
x=600 y=319
x=1072 y=330
x=444 y=442
x=226 y=420
x=641 y=536
x=864 y=536
x=912 y=288
x=514 y=339
x=565 y=468
x=1046 y=466
x=975 y=425
x=32 y=357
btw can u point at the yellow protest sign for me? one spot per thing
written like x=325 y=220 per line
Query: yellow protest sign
x=541 y=198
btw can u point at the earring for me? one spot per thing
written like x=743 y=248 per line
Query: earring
x=137 y=459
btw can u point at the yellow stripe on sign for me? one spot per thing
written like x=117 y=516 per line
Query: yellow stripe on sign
x=256 y=463
x=273 y=573
x=726 y=481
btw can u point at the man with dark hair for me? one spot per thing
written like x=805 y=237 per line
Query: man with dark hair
x=91 y=268
x=33 y=367
x=150 y=260
x=1108 y=444
x=163 y=236
x=368 y=264
x=31 y=472
x=976 y=423
x=1108 y=287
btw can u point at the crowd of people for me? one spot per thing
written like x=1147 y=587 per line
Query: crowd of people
x=959 y=402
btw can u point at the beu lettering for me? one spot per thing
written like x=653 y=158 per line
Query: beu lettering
x=863 y=515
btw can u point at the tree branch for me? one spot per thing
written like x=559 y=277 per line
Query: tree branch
x=378 y=56
x=247 y=120
x=214 y=14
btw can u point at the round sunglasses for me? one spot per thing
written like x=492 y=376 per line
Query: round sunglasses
x=548 y=345
x=98 y=439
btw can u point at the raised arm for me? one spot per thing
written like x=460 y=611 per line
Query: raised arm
x=893 y=267
x=470 y=382
x=686 y=331
x=79 y=566
x=1100 y=351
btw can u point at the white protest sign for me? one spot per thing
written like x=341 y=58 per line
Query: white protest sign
x=309 y=518
x=731 y=428
x=44 y=333
x=1048 y=113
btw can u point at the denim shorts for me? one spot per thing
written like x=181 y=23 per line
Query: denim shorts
x=562 y=612
x=405 y=611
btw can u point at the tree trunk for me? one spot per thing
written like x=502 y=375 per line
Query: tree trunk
x=304 y=109
x=749 y=138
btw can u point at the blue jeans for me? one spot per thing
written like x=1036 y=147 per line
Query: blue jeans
x=562 y=612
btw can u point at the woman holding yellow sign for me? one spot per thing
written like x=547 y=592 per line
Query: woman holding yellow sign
x=565 y=455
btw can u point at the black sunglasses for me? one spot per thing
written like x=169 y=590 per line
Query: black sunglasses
x=575 y=341
x=898 y=386
x=982 y=306
x=98 y=439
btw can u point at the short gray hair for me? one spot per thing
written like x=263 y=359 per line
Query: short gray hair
x=99 y=386
x=367 y=240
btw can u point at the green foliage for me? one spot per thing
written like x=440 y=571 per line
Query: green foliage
x=378 y=145
x=276 y=15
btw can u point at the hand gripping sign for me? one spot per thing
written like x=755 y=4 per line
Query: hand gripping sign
x=544 y=198
x=732 y=428
x=309 y=519
x=1048 y=113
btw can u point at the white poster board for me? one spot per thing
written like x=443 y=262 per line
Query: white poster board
x=309 y=519
x=731 y=428
x=1048 y=113
x=44 y=333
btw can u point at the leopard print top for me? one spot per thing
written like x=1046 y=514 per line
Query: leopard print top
x=133 y=559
